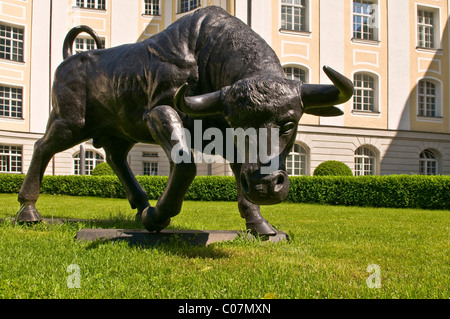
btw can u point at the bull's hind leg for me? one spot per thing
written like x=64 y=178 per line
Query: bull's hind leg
x=164 y=121
x=255 y=223
x=58 y=137
x=116 y=155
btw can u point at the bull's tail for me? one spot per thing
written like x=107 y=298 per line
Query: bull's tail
x=71 y=36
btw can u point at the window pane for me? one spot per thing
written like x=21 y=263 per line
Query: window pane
x=293 y=15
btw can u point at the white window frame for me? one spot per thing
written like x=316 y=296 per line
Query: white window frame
x=85 y=4
x=16 y=41
x=371 y=21
x=84 y=44
x=296 y=73
x=366 y=90
x=152 y=7
x=19 y=102
x=304 y=13
x=191 y=5
x=300 y=155
x=429 y=162
x=92 y=159
x=150 y=168
x=11 y=159
x=436 y=45
x=365 y=157
x=437 y=97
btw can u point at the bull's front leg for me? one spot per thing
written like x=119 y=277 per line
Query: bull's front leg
x=116 y=155
x=255 y=223
x=167 y=129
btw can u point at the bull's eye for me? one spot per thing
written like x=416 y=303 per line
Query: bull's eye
x=288 y=128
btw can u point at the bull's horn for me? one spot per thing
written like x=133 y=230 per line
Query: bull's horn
x=72 y=35
x=200 y=105
x=323 y=96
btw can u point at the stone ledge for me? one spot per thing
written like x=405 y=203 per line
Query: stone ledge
x=193 y=237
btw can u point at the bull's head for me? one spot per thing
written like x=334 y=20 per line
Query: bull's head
x=269 y=103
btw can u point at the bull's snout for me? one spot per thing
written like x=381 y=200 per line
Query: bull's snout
x=265 y=189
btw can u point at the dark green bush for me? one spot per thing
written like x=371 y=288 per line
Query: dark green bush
x=333 y=168
x=103 y=169
x=394 y=191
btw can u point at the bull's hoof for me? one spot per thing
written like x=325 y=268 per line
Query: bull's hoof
x=261 y=228
x=151 y=221
x=138 y=217
x=28 y=214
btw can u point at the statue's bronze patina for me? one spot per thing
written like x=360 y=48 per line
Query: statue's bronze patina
x=137 y=93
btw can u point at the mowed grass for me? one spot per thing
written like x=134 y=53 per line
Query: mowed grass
x=328 y=255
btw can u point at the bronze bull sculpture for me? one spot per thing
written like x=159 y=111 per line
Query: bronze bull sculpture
x=207 y=66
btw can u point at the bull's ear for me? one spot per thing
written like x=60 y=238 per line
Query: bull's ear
x=200 y=105
x=328 y=111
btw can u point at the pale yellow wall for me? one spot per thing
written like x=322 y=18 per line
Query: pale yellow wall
x=433 y=64
x=370 y=57
x=99 y=20
x=298 y=48
x=150 y=25
x=17 y=74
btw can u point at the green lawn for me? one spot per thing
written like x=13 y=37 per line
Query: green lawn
x=330 y=250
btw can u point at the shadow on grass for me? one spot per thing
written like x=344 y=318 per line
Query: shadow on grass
x=174 y=247
x=175 y=242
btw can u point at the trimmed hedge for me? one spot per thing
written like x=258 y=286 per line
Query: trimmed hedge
x=103 y=169
x=394 y=191
x=333 y=168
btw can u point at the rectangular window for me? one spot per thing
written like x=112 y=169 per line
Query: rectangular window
x=91 y=4
x=188 y=5
x=151 y=7
x=426 y=25
x=364 y=95
x=86 y=44
x=11 y=101
x=11 y=43
x=150 y=168
x=363 y=20
x=427 y=99
x=294 y=15
x=150 y=154
x=10 y=159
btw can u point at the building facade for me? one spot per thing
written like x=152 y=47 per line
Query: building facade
x=396 y=52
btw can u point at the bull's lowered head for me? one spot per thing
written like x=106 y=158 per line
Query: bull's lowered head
x=270 y=103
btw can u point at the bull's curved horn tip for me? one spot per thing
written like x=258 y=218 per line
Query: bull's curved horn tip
x=179 y=95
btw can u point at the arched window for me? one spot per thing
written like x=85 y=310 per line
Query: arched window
x=296 y=161
x=428 y=163
x=295 y=73
x=91 y=160
x=365 y=161
x=365 y=95
x=427 y=105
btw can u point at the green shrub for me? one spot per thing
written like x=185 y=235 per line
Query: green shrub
x=333 y=168
x=10 y=183
x=103 y=169
x=394 y=191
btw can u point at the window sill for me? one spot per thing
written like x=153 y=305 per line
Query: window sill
x=366 y=113
x=11 y=119
x=14 y=62
x=151 y=16
x=366 y=42
x=430 y=119
x=429 y=50
x=295 y=32
x=89 y=9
